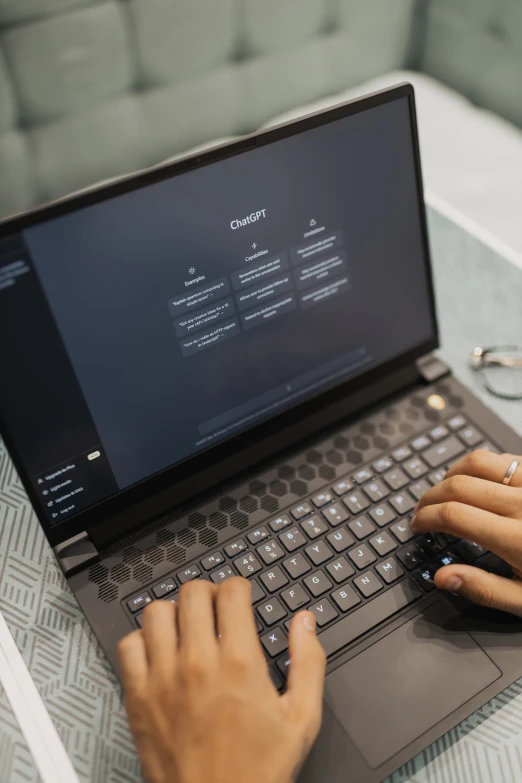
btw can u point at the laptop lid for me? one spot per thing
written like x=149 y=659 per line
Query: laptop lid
x=156 y=326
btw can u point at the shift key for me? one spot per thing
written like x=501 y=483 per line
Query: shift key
x=443 y=452
x=368 y=616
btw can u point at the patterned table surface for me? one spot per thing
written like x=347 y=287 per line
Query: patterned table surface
x=479 y=304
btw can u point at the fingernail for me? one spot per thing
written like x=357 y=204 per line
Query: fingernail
x=309 y=621
x=413 y=523
x=453 y=584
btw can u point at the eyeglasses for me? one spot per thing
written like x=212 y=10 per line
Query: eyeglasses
x=501 y=368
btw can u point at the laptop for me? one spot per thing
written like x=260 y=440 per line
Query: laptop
x=225 y=366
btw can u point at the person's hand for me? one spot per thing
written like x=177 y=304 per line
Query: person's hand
x=472 y=503
x=200 y=701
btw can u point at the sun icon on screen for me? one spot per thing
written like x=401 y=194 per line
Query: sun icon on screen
x=192 y=270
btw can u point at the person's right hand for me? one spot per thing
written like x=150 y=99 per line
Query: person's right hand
x=472 y=503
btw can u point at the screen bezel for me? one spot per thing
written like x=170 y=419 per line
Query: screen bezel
x=231 y=449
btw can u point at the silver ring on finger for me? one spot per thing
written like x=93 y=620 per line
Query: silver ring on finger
x=510 y=472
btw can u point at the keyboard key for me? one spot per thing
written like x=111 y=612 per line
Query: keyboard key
x=399 y=455
x=167 y=586
x=292 y=539
x=402 y=503
x=139 y=601
x=424 y=577
x=390 y=570
x=356 y=502
x=283 y=665
x=280 y=522
x=443 y=452
x=248 y=564
x=457 y=423
x=376 y=490
x=368 y=616
x=382 y=464
x=322 y=499
x=172 y=597
x=296 y=566
x=314 y=526
x=362 y=476
x=487 y=446
x=235 y=548
x=421 y=443
x=318 y=583
x=431 y=544
x=383 y=514
x=346 y=598
x=257 y=591
x=436 y=477
x=270 y=552
x=411 y=557
x=274 y=579
x=419 y=488
x=258 y=535
x=362 y=557
x=324 y=612
x=335 y=514
x=402 y=531
x=276 y=678
x=302 y=510
x=340 y=570
x=275 y=642
x=340 y=540
x=139 y=620
x=295 y=597
x=192 y=572
x=396 y=479
x=319 y=553
x=212 y=561
x=439 y=433
x=383 y=544
x=415 y=468
x=368 y=584
x=361 y=527
x=469 y=551
x=446 y=559
x=222 y=575
x=471 y=437
x=271 y=611
x=342 y=487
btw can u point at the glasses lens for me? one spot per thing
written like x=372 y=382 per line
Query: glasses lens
x=505 y=381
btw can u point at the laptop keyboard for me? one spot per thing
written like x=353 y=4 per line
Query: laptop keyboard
x=346 y=553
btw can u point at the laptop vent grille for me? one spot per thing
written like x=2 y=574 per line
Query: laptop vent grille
x=227 y=517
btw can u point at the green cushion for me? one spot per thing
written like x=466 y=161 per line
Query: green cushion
x=18 y=10
x=177 y=40
x=68 y=62
x=17 y=186
x=280 y=25
x=7 y=106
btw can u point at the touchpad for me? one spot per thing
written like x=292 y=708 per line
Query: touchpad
x=404 y=684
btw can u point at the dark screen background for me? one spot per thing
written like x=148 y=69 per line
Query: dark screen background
x=109 y=270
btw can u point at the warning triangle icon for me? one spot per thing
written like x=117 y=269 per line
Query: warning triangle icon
x=313 y=222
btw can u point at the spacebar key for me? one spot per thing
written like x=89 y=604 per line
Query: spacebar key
x=367 y=617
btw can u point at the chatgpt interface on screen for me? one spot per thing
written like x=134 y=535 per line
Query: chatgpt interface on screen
x=141 y=330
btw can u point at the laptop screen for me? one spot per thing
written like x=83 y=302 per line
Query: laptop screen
x=143 y=329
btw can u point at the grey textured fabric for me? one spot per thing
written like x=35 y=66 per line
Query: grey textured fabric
x=479 y=295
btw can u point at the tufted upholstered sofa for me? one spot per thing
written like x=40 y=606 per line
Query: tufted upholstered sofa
x=91 y=89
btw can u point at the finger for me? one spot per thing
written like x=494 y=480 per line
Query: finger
x=486 y=465
x=161 y=636
x=236 y=623
x=482 y=588
x=134 y=666
x=306 y=676
x=506 y=501
x=503 y=536
x=196 y=619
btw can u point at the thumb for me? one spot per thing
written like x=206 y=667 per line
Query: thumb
x=482 y=588
x=305 y=683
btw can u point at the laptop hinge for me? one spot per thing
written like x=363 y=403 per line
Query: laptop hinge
x=76 y=553
x=431 y=368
